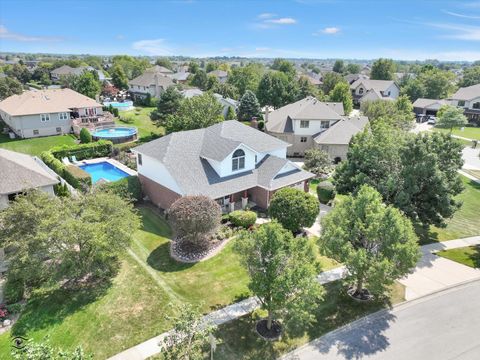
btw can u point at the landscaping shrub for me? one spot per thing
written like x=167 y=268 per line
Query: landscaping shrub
x=127 y=119
x=242 y=218
x=99 y=148
x=52 y=162
x=85 y=136
x=325 y=192
x=61 y=190
x=115 y=112
x=77 y=177
x=128 y=188
x=261 y=125
x=13 y=291
x=3 y=312
x=15 y=308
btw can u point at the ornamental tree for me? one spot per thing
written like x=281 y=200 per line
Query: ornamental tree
x=451 y=116
x=248 y=107
x=85 y=136
x=193 y=217
x=70 y=240
x=294 y=208
x=317 y=161
x=375 y=242
x=282 y=273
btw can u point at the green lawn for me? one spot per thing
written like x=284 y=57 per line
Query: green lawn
x=469 y=256
x=468 y=132
x=132 y=308
x=238 y=339
x=141 y=119
x=35 y=146
x=313 y=185
x=465 y=222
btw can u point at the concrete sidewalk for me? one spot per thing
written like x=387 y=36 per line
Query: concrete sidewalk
x=434 y=273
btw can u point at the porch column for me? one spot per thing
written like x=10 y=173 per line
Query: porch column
x=244 y=200
x=231 y=206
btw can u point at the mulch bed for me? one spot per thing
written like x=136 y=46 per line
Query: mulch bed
x=273 y=334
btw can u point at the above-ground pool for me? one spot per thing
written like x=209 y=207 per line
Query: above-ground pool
x=103 y=170
x=121 y=106
x=117 y=134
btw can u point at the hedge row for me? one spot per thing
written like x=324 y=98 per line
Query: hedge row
x=242 y=218
x=99 y=148
x=128 y=188
x=75 y=176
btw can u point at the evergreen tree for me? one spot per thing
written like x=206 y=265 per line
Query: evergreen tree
x=249 y=106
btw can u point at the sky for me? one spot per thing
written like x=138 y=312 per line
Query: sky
x=349 y=29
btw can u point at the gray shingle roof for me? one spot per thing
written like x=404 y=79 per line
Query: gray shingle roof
x=423 y=103
x=19 y=172
x=148 y=79
x=467 y=93
x=377 y=85
x=310 y=108
x=342 y=131
x=183 y=154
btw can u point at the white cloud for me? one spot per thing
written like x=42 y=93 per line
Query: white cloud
x=327 y=31
x=262 y=49
x=460 y=32
x=266 y=16
x=282 y=21
x=152 y=47
x=6 y=34
x=461 y=15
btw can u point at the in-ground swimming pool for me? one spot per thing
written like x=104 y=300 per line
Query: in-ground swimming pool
x=117 y=134
x=103 y=170
x=121 y=106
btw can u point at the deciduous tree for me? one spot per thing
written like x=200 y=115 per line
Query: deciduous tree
x=341 y=93
x=382 y=69
x=317 y=161
x=451 y=116
x=294 y=208
x=9 y=86
x=282 y=274
x=375 y=242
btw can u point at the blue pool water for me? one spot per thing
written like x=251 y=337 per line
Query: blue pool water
x=103 y=170
x=115 y=132
x=123 y=106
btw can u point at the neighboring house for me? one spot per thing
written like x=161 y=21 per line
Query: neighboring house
x=20 y=172
x=180 y=77
x=369 y=90
x=468 y=98
x=225 y=102
x=48 y=112
x=310 y=123
x=65 y=70
x=230 y=162
x=221 y=75
x=153 y=81
x=351 y=78
x=423 y=106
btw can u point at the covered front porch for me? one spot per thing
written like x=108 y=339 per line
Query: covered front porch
x=236 y=201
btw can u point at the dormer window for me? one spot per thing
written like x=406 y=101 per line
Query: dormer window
x=238 y=160
x=360 y=91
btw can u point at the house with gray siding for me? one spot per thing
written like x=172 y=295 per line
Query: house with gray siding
x=234 y=164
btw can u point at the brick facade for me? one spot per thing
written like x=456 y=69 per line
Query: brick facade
x=158 y=194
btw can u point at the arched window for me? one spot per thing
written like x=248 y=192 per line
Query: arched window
x=360 y=91
x=238 y=160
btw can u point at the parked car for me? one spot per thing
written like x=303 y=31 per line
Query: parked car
x=432 y=120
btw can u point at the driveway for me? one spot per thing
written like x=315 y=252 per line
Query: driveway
x=420 y=127
x=441 y=326
x=471 y=158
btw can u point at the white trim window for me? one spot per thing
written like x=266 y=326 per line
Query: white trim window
x=63 y=116
x=238 y=160
x=324 y=124
x=45 y=117
x=304 y=124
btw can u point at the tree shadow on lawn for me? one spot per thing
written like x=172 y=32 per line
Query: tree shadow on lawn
x=160 y=260
x=475 y=257
x=47 y=308
x=426 y=236
x=240 y=341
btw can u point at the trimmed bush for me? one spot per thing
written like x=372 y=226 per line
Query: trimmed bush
x=128 y=188
x=325 y=192
x=85 y=136
x=242 y=218
x=77 y=177
x=53 y=163
x=99 y=148
x=261 y=125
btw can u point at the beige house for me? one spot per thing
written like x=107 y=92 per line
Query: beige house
x=48 y=112
x=468 y=98
x=153 y=81
x=310 y=123
x=370 y=90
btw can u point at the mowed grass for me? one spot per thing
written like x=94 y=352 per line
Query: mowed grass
x=35 y=146
x=469 y=256
x=140 y=118
x=466 y=221
x=239 y=340
x=105 y=322
x=468 y=132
